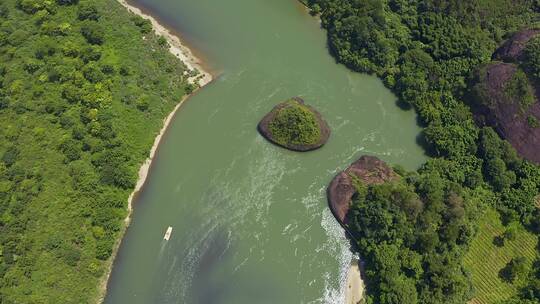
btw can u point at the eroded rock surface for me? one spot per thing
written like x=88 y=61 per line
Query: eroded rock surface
x=512 y=49
x=369 y=170
x=504 y=113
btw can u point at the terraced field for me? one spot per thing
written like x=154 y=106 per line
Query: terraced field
x=485 y=259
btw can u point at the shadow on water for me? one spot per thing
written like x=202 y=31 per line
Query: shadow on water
x=207 y=288
x=203 y=290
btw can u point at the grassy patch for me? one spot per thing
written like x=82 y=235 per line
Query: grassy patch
x=485 y=258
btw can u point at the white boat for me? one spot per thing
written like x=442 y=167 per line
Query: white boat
x=168 y=233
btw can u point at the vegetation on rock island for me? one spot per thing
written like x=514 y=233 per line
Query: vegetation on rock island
x=295 y=125
x=84 y=89
x=414 y=234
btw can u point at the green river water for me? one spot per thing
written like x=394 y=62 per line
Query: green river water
x=251 y=223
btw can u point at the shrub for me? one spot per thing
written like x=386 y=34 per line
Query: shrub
x=162 y=41
x=511 y=232
x=4 y=102
x=515 y=269
x=125 y=70
x=4 y=11
x=142 y=103
x=32 y=65
x=67 y=2
x=533 y=122
x=520 y=90
x=71 y=256
x=71 y=149
x=18 y=37
x=114 y=169
x=91 y=53
x=10 y=156
x=45 y=47
x=72 y=93
x=93 y=33
x=30 y=6
x=88 y=11
x=108 y=68
x=92 y=72
x=532 y=57
x=103 y=249
x=144 y=24
x=78 y=132
x=70 y=49
x=53 y=29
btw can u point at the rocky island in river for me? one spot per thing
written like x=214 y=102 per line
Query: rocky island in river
x=368 y=170
x=295 y=126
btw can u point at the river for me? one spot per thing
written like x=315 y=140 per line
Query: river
x=250 y=220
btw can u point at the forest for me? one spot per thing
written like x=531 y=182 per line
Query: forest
x=83 y=93
x=413 y=235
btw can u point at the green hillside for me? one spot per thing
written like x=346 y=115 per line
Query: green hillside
x=427 y=52
x=82 y=96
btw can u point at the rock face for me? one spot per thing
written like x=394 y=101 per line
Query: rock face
x=264 y=128
x=497 y=108
x=369 y=170
x=512 y=49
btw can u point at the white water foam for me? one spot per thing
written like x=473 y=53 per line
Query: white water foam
x=228 y=204
x=336 y=246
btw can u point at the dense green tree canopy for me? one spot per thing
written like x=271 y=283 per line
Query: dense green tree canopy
x=82 y=96
x=426 y=52
x=295 y=124
x=412 y=234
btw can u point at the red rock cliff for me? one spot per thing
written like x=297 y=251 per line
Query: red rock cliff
x=368 y=169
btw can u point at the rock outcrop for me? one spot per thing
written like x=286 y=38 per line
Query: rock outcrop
x=497 y=104
x=512 y=49
x=369 y=170
x=265 y=129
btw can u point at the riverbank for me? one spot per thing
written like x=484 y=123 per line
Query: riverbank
x=369 y=170
x=201 y=78
x=177 y=47
x=354 y=291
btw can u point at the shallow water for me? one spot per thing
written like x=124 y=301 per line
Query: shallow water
x=251 y=223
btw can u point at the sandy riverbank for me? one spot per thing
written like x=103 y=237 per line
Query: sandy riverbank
x=354 y=288
x=201 y=78
x=177 y=47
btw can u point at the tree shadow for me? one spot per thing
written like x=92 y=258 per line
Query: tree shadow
x=403 y=105
x=505 y=274
x=498 y=241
